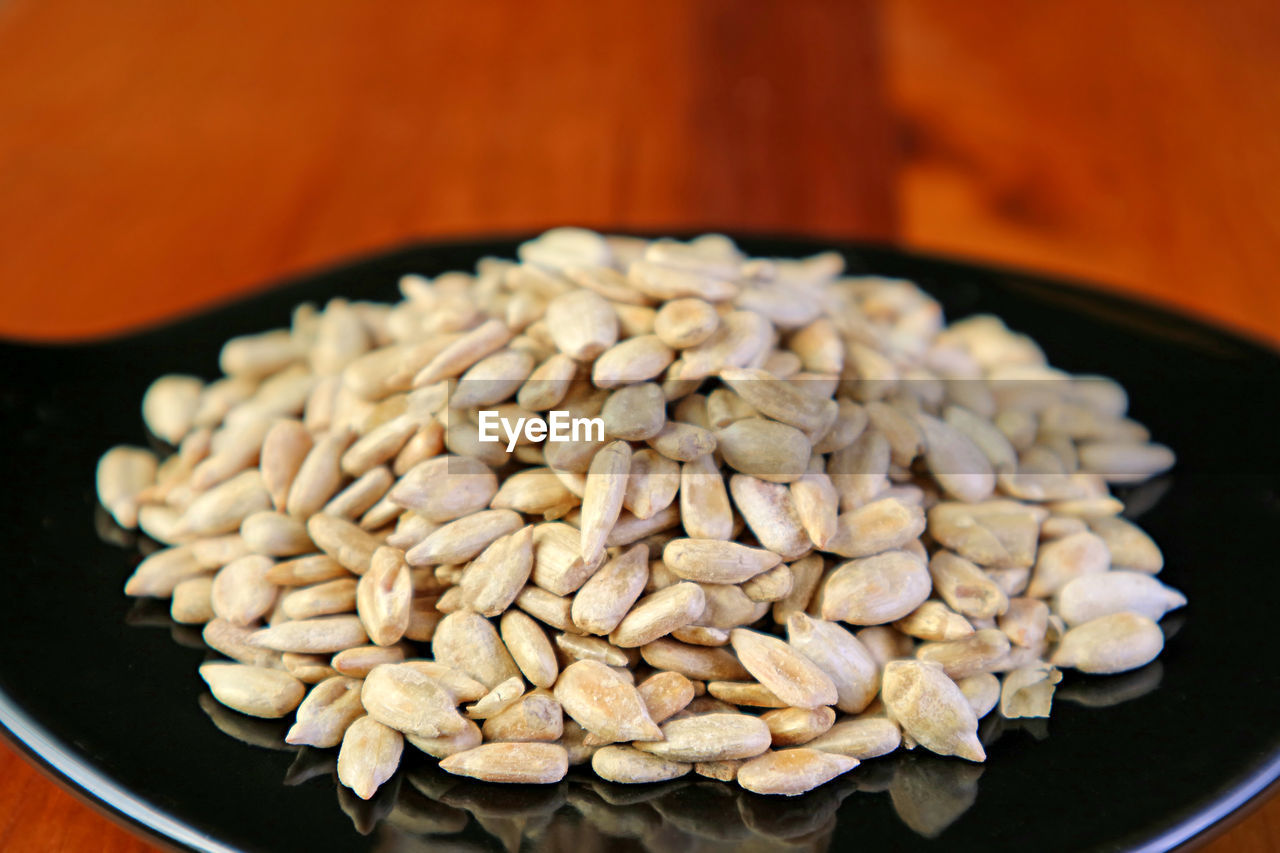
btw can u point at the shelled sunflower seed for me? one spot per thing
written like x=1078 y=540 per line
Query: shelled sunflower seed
x=649 y=505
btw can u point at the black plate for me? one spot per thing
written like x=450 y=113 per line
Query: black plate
x=1144 y=760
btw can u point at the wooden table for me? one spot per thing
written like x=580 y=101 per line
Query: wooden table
x=158 y=156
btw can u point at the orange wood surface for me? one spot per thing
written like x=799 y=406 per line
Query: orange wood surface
x=156 y=157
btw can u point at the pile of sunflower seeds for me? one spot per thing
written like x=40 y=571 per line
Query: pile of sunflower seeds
x=812 y=522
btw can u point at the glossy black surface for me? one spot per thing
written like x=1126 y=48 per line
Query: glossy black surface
x=1142 y=760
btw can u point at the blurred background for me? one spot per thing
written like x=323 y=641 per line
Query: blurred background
x=156 y=157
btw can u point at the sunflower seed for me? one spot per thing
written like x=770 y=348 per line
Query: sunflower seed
x=604 y=703
x=223 y=508
x=983 y=692
x=535 y=717
x=557 y=562
x=425 y=444
x=1065 y=559
x=547 y=385
x=286 y=444
x=461 y=540
x=806 y=573
x=362 y=495
x=346 y=543
x=745 y=693
x=724 y=771
x=778 y=399
x=497 y=699
x=1028 y=691
x=253 y=690
x=579 y=647
x=536 y=491
x=840 y=655
x=241 y=593
x=1129 y=546
x=861 y=738
x=931 y=709
x=276 y=534
x=546 y=607
x=122 y=475
x=384 y=597
x=933 y=620
x=485 y=339
x=664 y=694
x=461 y=686
x=965 y=587
x=529 y=648
x=233 y=641
x=322 y=599
x=446 y=488
x=816 y=503
x=319 y=476
x=1108 y=644
x=787 y=673
x=770 y=512
x=797 y=726
x=628 y=765
x=193 y=601
x=358 y=662
x=258 y=355
x=169 y=406
x=979 y=652
x=1025 y=622
x=1091 y=596
x=606 y=485
x=530 y=763
x=632 y=360
x=683 y=442
x=468 y=642
x=159 y=573
x=765 y=449
x=727 y=606
x=582 y=324
x=492 y=580
x=492 y=379
x=704 y=502
x=659 y=614
x=792 y=771
x=602 y=602
x=995 y=534
x=717 y=561
x=1122 y=462
x=770 y=586
x=682 y=323
x=306 y=570
x=710 y=737
x=410 y=701
x=858 y=471
x=652 y=483
x=312 y=636
x=446 y=745
x=661 y=281
x=324 y=716
x=369 y=756
x=875 y=590
x=876 y=527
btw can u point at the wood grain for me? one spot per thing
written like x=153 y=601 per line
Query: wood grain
x=157 y=156
x=200 y=151
x=1133 y=143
